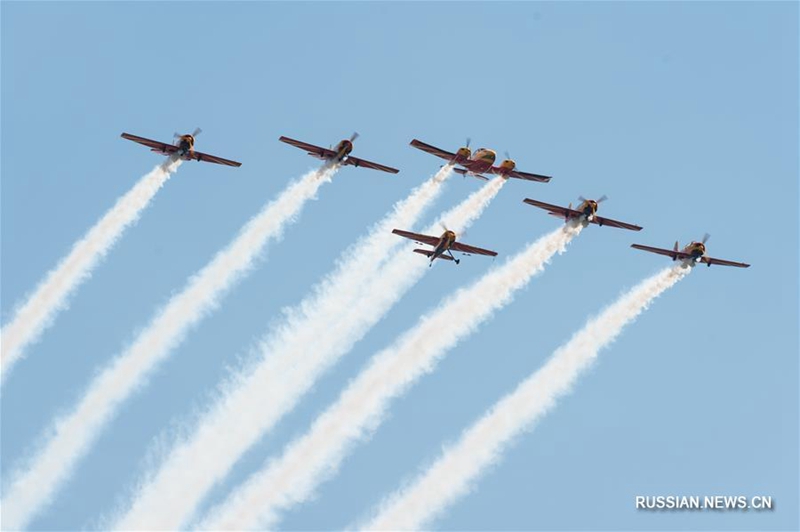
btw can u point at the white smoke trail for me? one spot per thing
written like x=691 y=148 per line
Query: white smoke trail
x=308 y=461
x=71 y=436
x=481 y=445
x=50 y=297
x=325 y=327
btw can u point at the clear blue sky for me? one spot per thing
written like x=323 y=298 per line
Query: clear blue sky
x=684 y=114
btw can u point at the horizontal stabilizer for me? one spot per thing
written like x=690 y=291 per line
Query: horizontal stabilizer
x=462 y=171
x=428 y=253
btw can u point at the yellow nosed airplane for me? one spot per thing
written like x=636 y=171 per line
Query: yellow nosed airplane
x=479 y=162
x=586 y=212
x=692 y=254
x=340 y=154
x=183 y=148
x=443 y=246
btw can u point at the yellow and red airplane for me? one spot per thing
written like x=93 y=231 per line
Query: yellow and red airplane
x=441 y=245
x=586 y=212
x=183 y=148
x=479 y=162
x=692 y=254
x=340 y=154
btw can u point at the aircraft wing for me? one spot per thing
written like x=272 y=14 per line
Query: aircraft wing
x=355 y=161
x=421 y=239
x=199 y=156
x=433 y=150
x=310 y=148
x=155 y=145
x=614 y=223
x=720 y=262
x=555 y=210
x=472 y=250
x=671 y=253
x=523 y=175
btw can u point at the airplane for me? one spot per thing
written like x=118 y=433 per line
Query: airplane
x=479 y=162
x=183 y=148
x=693 y=253
x=340 y=154
x=586 y=212
x=441 y=245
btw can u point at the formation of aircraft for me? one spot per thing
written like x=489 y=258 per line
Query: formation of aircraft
x=340 y=154
x=694 y=253
x=586 y=212
x=183 y=148
x=466 y=162
x=441 y=245
x=478 y=163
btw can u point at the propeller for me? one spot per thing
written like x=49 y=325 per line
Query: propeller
x=705 y=238
x=601 y=199
x=460 y=235
x=468 y=141
x=508 y=157
x=354 y=136
x=196 y=132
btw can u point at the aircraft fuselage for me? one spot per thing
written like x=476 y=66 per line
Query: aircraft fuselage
x=696 y=250
x=481 y=161
x=443 y=246
x=588 y=208
x=185 y=144
x=343 y=149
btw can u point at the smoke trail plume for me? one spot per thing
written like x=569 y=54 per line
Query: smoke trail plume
x=310 y=460
x=50 y=297
x=482 y=445
x=72 y=435
x=290 y=360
